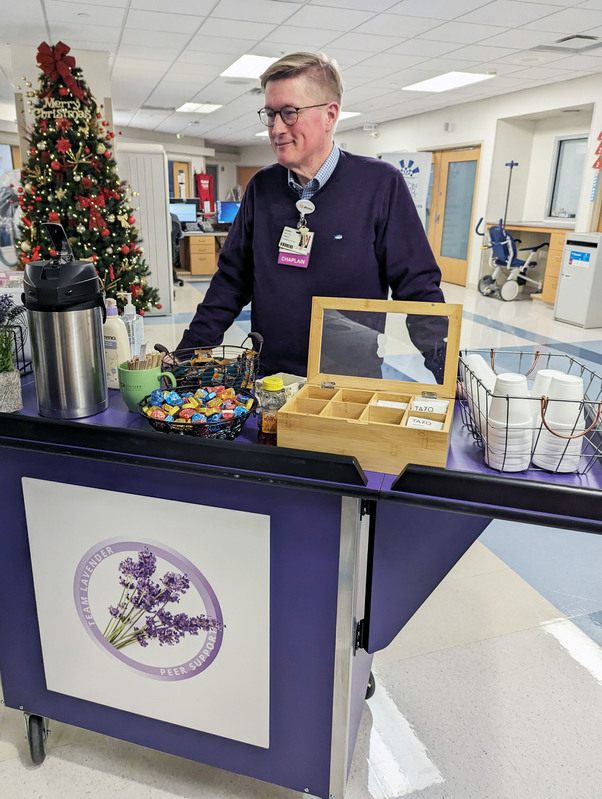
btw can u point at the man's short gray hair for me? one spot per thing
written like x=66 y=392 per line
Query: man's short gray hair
x=316 y=67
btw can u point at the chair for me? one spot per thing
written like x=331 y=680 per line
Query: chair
x=504 y=262
x=176 y=235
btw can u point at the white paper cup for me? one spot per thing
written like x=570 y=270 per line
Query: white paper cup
x=510 y=402
x=565 y=406
x=481 y=369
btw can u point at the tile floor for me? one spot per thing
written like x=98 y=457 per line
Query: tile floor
x=491 y=691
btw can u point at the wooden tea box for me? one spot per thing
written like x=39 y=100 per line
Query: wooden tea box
x=347 y=406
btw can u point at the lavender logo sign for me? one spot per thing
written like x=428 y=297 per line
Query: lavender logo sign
x=168 y=627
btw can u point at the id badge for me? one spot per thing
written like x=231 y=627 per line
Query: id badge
x=291 y=250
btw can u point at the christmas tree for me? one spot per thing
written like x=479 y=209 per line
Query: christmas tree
x=70 y=177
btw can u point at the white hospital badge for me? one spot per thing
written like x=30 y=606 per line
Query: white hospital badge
x=305 y=207
x=293 y=250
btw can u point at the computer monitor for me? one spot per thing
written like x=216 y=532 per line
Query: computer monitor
x=226 y=211
x=185 y=210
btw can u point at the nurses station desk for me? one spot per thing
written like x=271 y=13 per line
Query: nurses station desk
x=306 y=564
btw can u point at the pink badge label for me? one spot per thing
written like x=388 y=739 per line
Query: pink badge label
x=292 y=259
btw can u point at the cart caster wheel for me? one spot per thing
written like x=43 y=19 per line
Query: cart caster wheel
x=486 y=285
x=509 y=290
x=371 y=686
x=36 y=736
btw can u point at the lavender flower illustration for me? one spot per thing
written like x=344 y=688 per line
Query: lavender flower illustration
x=141 y=615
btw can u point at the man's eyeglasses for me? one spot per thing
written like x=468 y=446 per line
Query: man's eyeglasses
x=288 y=114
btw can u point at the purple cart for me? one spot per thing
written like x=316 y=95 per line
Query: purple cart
x=351 y=558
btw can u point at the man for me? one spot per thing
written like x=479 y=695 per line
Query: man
x=319 y=222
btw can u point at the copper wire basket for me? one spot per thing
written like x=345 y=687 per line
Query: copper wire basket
x=226 y=365
x=580 y=446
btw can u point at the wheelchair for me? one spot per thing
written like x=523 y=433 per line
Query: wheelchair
x=505 y=263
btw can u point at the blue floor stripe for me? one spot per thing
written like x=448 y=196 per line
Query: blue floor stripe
x=578 y=351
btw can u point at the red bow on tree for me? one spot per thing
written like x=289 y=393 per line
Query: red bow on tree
x=93 y=203
x=55 y=63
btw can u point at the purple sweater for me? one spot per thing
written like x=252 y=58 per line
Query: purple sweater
x=368 y=236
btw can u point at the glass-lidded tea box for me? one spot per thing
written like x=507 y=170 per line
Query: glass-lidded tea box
x=381 y=383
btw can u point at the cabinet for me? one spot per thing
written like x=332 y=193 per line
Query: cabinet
x=199 y=252
x=551 y=277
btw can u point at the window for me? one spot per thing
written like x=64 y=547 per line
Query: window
x=569 y=162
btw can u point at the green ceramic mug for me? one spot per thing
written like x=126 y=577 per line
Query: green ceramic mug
x=135 y=384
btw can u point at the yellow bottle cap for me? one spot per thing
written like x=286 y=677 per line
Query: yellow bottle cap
x=272 y=383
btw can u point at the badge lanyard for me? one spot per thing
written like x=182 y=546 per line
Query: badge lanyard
x=295 y=243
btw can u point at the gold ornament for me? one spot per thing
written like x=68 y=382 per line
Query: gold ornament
x=100 y=148
x=80 y=229
x=25 y=246
x=60 y=194
x=111 y=218
x=123 y=218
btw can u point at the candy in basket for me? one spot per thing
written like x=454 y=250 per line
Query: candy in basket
x=226 y=365
x=532 y=410
x=212 y=412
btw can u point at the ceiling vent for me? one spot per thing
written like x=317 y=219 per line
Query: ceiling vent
x=574 y=44
x=255 y=90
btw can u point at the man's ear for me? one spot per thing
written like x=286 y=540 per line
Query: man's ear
x=332 y=114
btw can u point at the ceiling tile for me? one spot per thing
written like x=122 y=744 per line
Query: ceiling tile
x=357 y=5
x=194 y=7
x=327 y=18
x=89 y=15
x=236 y=29
x=436 y=9
x=169 y=23
x=405 y=27
x=424 y=47
x=296 y=38
x=145 y=52
x=568 y=21
x=462 y=32
x=217 y=44
x=364 y=43
x=264 y=10
x=481 y=52
x=393 y=61
x=501 y=11
x=151 y=39
x=520 y=38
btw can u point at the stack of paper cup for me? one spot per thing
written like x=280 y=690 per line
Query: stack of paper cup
x=540 y=389
x=564 y=415
x=479 y=381
x=509 y=421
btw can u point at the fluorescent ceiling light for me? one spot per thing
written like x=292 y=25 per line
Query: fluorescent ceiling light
x=349 y=114
x=198 y=108
x=263 y=133
x=248 y=66
x=451 y=80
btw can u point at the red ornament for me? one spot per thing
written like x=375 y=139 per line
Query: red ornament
x=53 y=216
x=20 y=190
x=87 y=150
x=86 y=183
x=63 y=91
x=25 y=259
x=26 y=221
x=33 y=151
x=124 y=249
x=38 y=199
x=141 y=312
x=105 y=232
x=55 y=165
x=53 y=252
x=95 y=258
x=30 y=207
x=107 y=153
x=159 y=306
x=131 y=219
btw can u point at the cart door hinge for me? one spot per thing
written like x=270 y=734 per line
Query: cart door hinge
x=429 y=395
x=328 y=384
x=360 y=635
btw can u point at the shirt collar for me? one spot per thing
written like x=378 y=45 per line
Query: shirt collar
x=319 y=179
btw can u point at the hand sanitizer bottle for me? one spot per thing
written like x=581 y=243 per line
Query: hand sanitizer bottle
x=117 y=348
x=135 y=326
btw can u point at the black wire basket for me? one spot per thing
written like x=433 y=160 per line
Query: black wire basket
x=224 y=429
x=224 y=365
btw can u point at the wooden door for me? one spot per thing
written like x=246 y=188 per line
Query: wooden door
x=245 y=173
x=452 y=210
x=181 y=180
